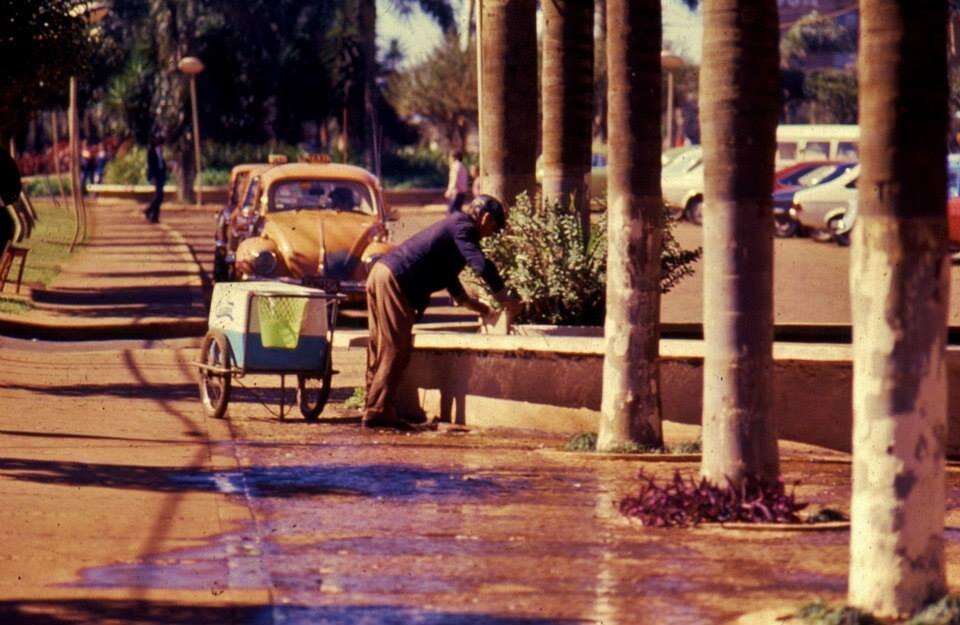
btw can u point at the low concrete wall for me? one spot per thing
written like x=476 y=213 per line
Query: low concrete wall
x=554 y=384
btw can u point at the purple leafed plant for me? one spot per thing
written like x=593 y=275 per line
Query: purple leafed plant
x=684 y=502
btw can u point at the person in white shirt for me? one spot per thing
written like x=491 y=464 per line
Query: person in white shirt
x=458 y=183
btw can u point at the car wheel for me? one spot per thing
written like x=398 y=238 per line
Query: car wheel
x=834 y=226
x=694 y=211
x=785 y=226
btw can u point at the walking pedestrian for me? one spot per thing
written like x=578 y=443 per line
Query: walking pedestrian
x=458 y=183
x=399 y=288
x=157 y=175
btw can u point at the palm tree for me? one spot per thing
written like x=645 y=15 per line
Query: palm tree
x=900 y=295
x=739 y=85
x=508 y=97
x=567 y=103
x=630 y=410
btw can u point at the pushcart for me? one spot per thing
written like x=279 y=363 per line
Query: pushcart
x=268 y=328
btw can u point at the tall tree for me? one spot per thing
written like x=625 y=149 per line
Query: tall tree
x=47 y=45
x=630 y=408
x=424 y=89
x=739 y=84
x=900 y=283
x=567 y=103
x=508 y=97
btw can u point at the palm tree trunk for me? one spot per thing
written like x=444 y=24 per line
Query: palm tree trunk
x=508 y=97
x=367 y=26
x=568 y=103
x=739 y=84
x=630 y=408
x=900 y=279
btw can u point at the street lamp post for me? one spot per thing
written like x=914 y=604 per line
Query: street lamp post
x=670 y=63
x=191 y=66
x=92 y=12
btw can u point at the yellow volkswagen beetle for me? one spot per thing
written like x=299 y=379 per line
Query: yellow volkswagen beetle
x=312 y=223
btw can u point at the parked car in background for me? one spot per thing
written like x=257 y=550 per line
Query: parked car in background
x=953 y=201
x=312 y=223
x=240 y=177
x=681 y=181
x=821 y=209
x=794 y=178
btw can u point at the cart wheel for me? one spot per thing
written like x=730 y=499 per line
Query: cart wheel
x=215 y=387
x=313 y=392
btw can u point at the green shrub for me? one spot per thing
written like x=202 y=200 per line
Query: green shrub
x=542 y=257
x=414 y=169
x=211 y=177
x=46 y=186
x=127 y=168
x=819 y=613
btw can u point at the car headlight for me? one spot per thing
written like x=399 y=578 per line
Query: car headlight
x=264 y=262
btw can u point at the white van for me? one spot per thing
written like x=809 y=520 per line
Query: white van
x=814 y=142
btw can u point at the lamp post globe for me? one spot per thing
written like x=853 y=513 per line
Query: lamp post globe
x=190 y=65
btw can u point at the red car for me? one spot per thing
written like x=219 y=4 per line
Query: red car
x=791 y=177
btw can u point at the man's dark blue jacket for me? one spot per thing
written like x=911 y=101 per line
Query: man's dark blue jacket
x=432 y=260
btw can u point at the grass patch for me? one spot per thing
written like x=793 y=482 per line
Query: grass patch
x=49 y=245
x=357 y=400
x=587 y=441
x=820 y=613
x=13 y=306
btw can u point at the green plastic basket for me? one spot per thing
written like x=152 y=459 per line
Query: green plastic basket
x=280 y=321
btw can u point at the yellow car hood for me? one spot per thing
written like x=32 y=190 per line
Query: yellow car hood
x=303 y=236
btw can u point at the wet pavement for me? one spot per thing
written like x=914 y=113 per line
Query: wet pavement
x=122 y=503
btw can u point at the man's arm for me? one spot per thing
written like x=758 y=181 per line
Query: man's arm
x=460 y=296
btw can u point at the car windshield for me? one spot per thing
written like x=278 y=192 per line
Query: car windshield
x=336 y=195
x=953 y=183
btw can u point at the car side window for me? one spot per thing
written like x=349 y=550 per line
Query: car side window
x=852 y=184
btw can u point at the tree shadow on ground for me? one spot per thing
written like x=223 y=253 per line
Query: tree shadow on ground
x=365 y=480
x=134 y=612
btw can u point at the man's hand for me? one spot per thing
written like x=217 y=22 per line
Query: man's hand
x=510 y=303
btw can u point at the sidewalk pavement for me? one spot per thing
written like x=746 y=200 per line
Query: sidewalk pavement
x=129 y=279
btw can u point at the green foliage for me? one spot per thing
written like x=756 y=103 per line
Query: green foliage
x=442 y=90
x=414 y=168
x=587 y=441
x=815 y=34
x=834 y=93
x=215 y=177
x=41 y=45
x=357 y=400
x=129 y=167
x=943 y=612
x=819 y=613
x=46 y=186
x=542 y=257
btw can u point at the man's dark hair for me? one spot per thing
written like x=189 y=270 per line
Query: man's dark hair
x=457 y=154
x=491 y=205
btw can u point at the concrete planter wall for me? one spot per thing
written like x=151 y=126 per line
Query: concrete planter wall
x=553 y=383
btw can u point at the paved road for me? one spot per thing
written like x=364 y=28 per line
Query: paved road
x=810 y=278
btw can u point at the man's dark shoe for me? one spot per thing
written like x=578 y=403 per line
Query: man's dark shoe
x=385 y=423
